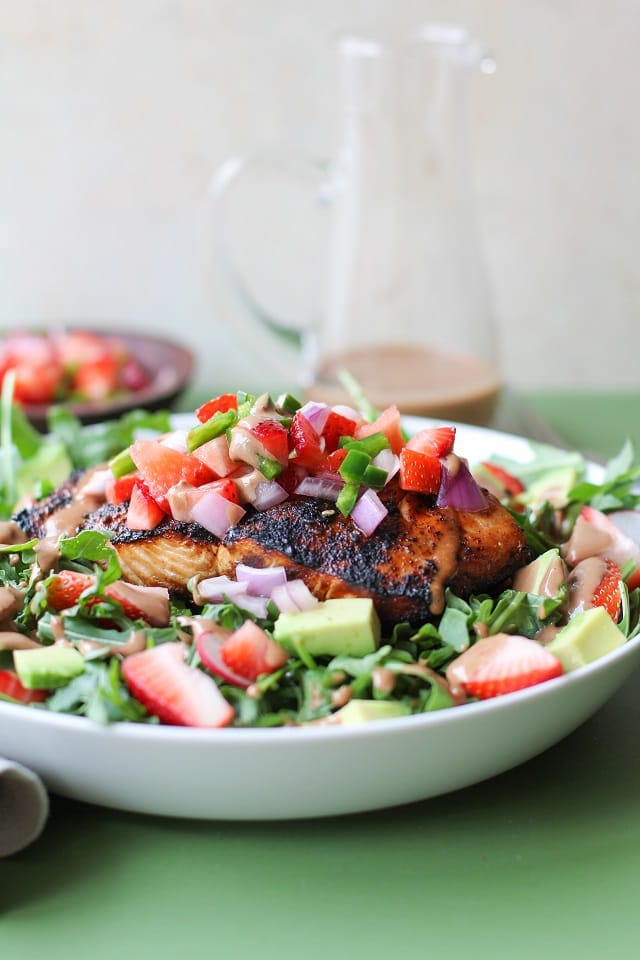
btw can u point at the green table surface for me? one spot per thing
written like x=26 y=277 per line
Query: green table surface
x=541 y=861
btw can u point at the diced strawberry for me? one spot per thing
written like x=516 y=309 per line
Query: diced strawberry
x=419 y=472
x=174 y=692
x=97 y=379
x=337 y=426
x=220 y=404
x=388 y=423
x=143 y=513
x=435 y=441
x=66 y=586
x=118 y=489
x=307 y=446
x=162 y=468
x=607 y=593
x=250 y=651
x=501 y=664
x=11 y=688
x=334 y=461
x=594 y=535
x=215 y=455
x=273 y=437
x=291 y=476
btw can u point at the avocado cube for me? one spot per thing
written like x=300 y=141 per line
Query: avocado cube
x=47 y=667
x=588 y=635
x=347 y=626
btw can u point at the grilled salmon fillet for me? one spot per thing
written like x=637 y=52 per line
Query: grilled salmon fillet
x=405 y=565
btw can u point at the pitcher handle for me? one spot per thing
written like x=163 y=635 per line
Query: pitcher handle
x=272 y=294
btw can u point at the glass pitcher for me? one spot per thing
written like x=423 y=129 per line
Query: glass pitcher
x=402 y=305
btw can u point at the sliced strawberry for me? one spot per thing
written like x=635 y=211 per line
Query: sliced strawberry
x=607 y=593
x=505 y=481
x=337 y=426
x=209 y=637
x=144 y=512
x=97 y=379
x=307 y=446
x=435 y=441
x=594 y=535
x=12 y=689
x=162 y=467
x=419 y=472
x=274 y=438
x=220 y=404
x=388 y=423
x=66 y=586
x=501 y=664
x=119 y=489
x=176 y=693
x=250 y=652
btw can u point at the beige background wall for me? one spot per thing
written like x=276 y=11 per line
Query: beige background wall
x=114 y=113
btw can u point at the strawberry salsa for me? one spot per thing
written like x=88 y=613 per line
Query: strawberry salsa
x=259 y=649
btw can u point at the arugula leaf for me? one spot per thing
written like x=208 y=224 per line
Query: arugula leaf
x=91 y=546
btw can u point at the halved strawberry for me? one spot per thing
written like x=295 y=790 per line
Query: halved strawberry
x=435 y=441
x=307 y=446
x=501 y=664
x=219 y=404
x=250 y=651
x=162 y=468
x=12 y=689
x=594 y=535
x=337 y=426
x=143 y=512
x=176 y=693
x=607 y=593
x=388 y=423
x=274 y=438
x=419 y=472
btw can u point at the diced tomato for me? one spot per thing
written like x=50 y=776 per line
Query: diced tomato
x=307 y=446
x=274 y=438
x=161 y=467
x=419 y=471
x=220 y=404
x=11 y=687
x=435 y=441
x=118 y=489
x=144 y=513
x=97 y=379
x=337 y=426
x=388 y=423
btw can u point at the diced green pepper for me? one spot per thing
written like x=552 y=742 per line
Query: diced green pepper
x=354 y=465
x=347 y=498
x=215 y=427
x=122 y=464
x=287 y=404
x=375 y=477
x=270 y=469
x=371 y=445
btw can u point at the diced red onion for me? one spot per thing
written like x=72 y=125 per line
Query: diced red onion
x=208 y=644
x=293 y=596
x=260 y=581
x=460 y=490
x=215 y=513
x=368 y=512
x=267 y=494
x=316 y=413
x=215 y=589
x=322 y=487
x=344 y=411
x=389 y=461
